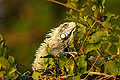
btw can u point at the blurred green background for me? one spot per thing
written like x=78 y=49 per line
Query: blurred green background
x=25 y=23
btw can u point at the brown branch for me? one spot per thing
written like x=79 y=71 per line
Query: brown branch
x=99 y=22
x=86 y=37
x=67 y=6
x=26 y=67
x=19 y=73
x=92 y=67
x=22 y=74
x=92 y=64
x=101 y=59
x=84 y=43
x=103 y=74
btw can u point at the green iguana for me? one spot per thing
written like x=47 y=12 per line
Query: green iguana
x=58 y=39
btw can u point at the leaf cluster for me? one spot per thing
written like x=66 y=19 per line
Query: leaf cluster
x=96 y=43
x=7 y=63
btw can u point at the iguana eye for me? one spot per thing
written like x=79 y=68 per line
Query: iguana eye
x=63 y=36
x=65 y=25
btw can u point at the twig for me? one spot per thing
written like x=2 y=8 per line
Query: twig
x=65 y=5
x=101 y=59
x=91 y=67
x=98 y=21
x=92 y=64
x=86 y=38
x=19 y=73
x=26 y=67
x=22 y=74
x=103 y=74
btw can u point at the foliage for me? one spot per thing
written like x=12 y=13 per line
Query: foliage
x=7 y=63
x=96 y=44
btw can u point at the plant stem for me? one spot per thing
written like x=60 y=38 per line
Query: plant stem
x=86 y=38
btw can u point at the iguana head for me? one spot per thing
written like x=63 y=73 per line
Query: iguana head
x=66 y=30
x=60 y=40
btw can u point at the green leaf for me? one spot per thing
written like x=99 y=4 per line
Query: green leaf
x=90 y=21
x=4 y=63
x=11 y=59
x=90 y=47
x=94 y=7
x=73 y=3
x=45 y=64
x=2 y=73
x=82 y=28
x=15 y=77
x=51 y=61
x=82 y=64
x=0 y=66
x=77 y=77
x=67 y=63
x=117 y=44
x=118 y=51
x=1 y=38
x=113 y=49
x=2 y=44
x=12 y=71
x=82 y=20
x=70 y=66
x=103 y=5
x=110 y=17
x=11 y=75
x=96 y=14
x=3 y=48
x=113 y=38
x=62 y=61
x=97 y=37
x=36 y=75
x=80 y=35
x=81 y=31
x=69 y=78
x=112 y=67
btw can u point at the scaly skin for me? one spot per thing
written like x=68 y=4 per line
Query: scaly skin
x=59 y=39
